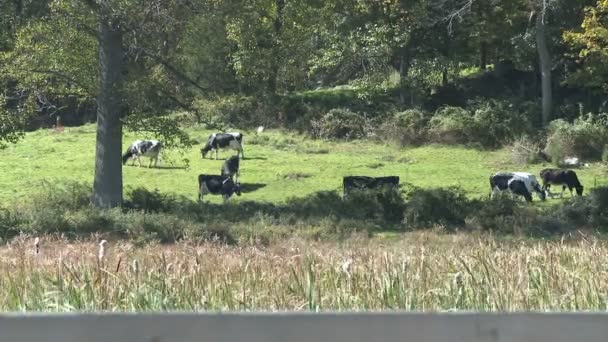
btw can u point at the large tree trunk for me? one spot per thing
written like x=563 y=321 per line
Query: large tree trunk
x=274 y=68
x=545 y=69
x=107 y=187
x=404 y=68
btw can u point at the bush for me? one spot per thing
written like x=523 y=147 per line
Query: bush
x=426 y=207
x=407 y=128
x=527 y=151
x=235 y=110
x=339 y=123
x=585 y=138
x=452 y=125
x=497 y=122
x=487 y=124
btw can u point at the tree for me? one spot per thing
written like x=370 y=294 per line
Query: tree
x=539 y=12
x=135 y=43
x=590 y=45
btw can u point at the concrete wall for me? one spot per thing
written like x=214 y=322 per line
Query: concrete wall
x=305 y=327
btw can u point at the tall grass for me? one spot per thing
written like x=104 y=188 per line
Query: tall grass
x=421 y=271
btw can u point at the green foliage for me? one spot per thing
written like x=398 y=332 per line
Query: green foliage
x=407 y=128
x=339 y=124
x=428 y=207
x=12 y=124
x=487 y=124
x=584 y=138
x=452 y=125
x=232 y=110
x=591 y=47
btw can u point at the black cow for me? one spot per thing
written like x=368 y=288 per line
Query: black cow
x=350 y=183
x=217 y=185
x=217 y=141
x=519 y=183
x=143 y=148
x=565 y=178
x=231 y=168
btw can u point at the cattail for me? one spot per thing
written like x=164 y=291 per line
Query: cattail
x=102 y=251
x=37 y=245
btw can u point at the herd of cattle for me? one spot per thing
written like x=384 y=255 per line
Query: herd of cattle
x=226 y=182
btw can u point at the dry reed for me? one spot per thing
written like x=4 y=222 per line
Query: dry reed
x=421 y=271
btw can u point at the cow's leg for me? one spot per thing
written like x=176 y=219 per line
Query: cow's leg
x=225 y=197
x=216 y=151
x=563 y=190
x=547 y=188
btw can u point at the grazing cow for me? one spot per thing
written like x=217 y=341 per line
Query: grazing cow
x=143 y=148
x=231 y=168
x=565 y=178
x=350 y=183
x=217 y=141
x=519 y=183
x=217 y=185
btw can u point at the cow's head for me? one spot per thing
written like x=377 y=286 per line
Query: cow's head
x=579 y=190
x=237 y=189
x=205 y=150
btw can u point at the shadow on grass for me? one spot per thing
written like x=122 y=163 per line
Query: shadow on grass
x=154 y=216
x=251 y=187
x=254 y=158
x=171 y=167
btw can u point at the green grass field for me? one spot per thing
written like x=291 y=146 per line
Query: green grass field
x=277 y=165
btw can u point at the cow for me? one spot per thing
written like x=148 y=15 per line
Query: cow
x=217 y=185
x=565 y=178
x=143 y=148
x=218 y=141
x=519 y=183
x=350 y=183
x=231 y=168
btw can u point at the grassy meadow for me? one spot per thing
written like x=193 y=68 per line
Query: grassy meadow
x=421 y=271
x=277 y=165
x=282 y=245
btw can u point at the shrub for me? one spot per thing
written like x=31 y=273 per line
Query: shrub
x=339 y=123
x=498 y=214
x=426 y=207
x=487 y=124
x=497 y=122
x=234 y=110
x=527 y=151
x=452 y=125
x=407 y=128
x=584 y=138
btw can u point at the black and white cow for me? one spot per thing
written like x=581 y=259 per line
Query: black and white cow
x=217 y=185
x=565 y=178
x=350 y=183
x=519 y=183
x=231 y=168
x=217 y=141
x=143 y=148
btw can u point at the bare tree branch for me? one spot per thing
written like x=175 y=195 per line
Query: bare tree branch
x=464 y=8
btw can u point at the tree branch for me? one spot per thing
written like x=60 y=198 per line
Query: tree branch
x=172 y=69
x=189 y=108
x=60 y=75
x=465 y=7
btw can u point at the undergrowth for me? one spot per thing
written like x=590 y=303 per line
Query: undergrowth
x=63 y=209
